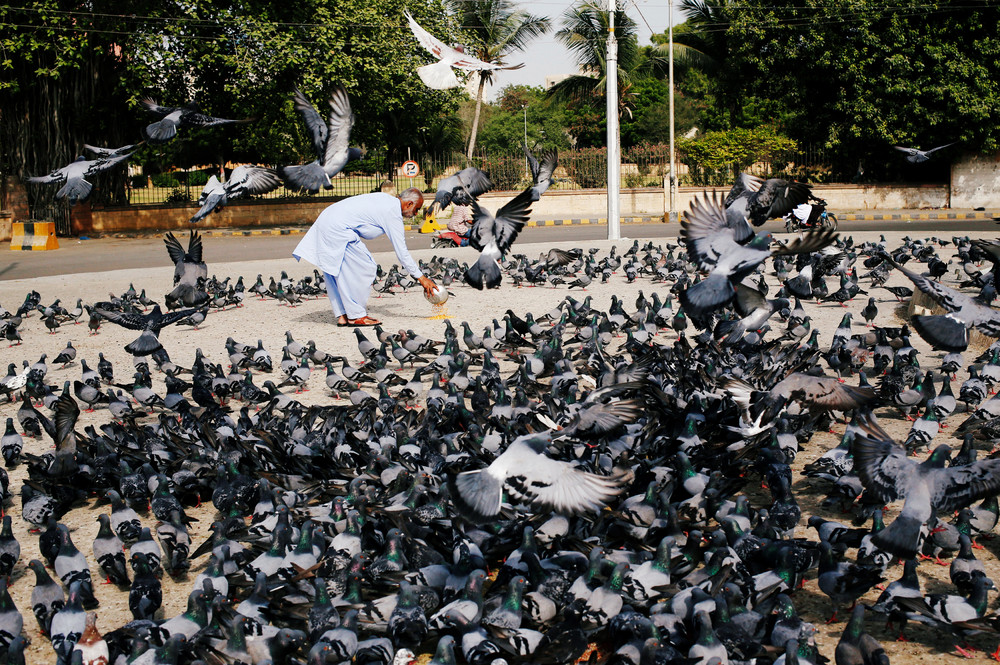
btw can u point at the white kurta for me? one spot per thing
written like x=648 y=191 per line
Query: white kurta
x=333 y=244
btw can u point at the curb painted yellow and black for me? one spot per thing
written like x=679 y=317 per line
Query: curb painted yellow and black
x=33 y=236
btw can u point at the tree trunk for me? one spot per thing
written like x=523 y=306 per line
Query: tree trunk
x=475 y=118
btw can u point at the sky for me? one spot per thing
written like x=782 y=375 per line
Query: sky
x=547 y=57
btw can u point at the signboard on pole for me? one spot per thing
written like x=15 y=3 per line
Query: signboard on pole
x=410 y=169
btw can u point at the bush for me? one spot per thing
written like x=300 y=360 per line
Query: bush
x=588 y=167
x=716 y=157
x=178 y=195
x=506 y=171
x=197 y=178
x=165 y=180
x=139 y=182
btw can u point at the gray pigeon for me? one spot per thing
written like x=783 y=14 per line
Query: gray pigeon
x=150 y=325
x=243 y=181
x=460 y=189
x=918 y=156
x=189 y=268
x=177 y=116
x=493 y=236
x=329 y=140
x=717 y=249
x=541 y=174
x=528 y=476
x=927 y=488
x=76 y=187
x=759 y=200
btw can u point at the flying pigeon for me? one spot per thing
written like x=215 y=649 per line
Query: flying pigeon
x=530 y=477
x=329 y=139
x=177 y=116
x=493 y=236
x=950 y=331
x=440 y=76
x=111 y=152
x=150 y=325
x=541 y=174
x=759 y=200
x=76 y=187
x=918 y=156
x=189 y=268
x=461 y=189
x=715 y=246
x=927 y=487
x=243 y=181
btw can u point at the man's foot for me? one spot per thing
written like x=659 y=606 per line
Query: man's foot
x=341 y=320
x=363 y=321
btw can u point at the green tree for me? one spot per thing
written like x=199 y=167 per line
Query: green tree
x=498 y=29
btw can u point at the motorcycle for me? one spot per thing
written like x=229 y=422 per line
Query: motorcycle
x=812 y=215
x=446 y=238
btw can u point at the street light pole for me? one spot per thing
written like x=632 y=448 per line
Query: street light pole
x=524 y=107
x=614 y=155
x=670 y=70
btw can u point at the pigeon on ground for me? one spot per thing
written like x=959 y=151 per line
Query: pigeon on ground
x=927 y=488
x=718 y=249
x=76 y=187
x=439 y=75
x=918 y=156
x=178 y=116
x=493 y=236
x=329 y=139
x=245 y=180
x=528 y=476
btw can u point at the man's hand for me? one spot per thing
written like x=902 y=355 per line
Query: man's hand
x=428 y=285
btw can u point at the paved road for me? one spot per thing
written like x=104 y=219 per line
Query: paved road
x=88 y=256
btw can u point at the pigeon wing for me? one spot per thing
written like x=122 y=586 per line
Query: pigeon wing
x=341 y=122
x=153 y=107
x=881 y=463
x=174 y=317
x=812 y=241
x=442 y=51
x=318 y=131
x=67 y=411
x=532 y=163
x=777 y=197
x=940 y=147
x=824 y=391
x=748 y=300
x=196 y=119
x=252 y=180
x=554 y=485
x=124 y=319
x=194 y=252
x=56 y=176
x=705 y=233
x=549 y=161
x=102 y=163
x=956 y=487
x=174 y=248
x=476 y=182
x=511 y=218
x=911 y=152
x=745 y=183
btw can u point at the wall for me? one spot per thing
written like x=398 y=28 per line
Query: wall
x=975 y=181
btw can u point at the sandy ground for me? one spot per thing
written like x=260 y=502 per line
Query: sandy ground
x=313 y=320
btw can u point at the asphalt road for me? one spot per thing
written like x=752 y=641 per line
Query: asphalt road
x=97 y=255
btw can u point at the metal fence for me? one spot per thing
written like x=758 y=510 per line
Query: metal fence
x=642 y=166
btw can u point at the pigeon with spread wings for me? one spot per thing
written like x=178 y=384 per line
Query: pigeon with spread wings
x=918 y=156
x=759 y=200
x=329 y=139
x=173 y=117
x=927 y=488
x=715 y=247
x=493 y=236
x=76 y=188
x=541 y=174
x=950 y=331
x=189 y=268
x=243 y=181
x=150 y=324
x=460 y=189
x=440 y=76
x=530 y=477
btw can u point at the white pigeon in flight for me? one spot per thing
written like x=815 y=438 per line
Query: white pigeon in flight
x=440 y=76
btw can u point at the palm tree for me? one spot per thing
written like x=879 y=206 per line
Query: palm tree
x=498 y=29
x=585 y=34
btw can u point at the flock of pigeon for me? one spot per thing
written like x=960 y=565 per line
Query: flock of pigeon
x=580 y=485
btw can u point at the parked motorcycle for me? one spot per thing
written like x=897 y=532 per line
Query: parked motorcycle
x=811 y=215
x=443 y=239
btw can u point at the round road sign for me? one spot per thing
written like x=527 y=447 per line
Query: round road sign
x=411 y=169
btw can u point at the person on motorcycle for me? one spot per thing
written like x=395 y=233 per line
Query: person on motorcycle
x=459 y=222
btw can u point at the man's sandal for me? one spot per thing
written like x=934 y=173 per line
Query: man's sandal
x=363 y=321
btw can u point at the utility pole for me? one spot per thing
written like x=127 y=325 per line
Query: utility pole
x=672 y=194
x=614 y=154
x=524 y=107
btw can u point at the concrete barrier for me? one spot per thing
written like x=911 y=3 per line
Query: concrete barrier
x=34 y=236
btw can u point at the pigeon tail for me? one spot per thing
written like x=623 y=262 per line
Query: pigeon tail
x=144 y=345
x=309 y=177
x=75 y=189
x=161 y=131
x=942 y=331
x=186 y=295
x=701 y=298
x=485 y=272
x=476 y=494
x=439 y=76
x=901 y=538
